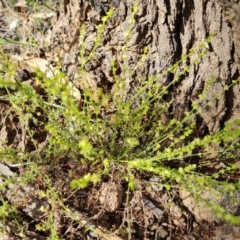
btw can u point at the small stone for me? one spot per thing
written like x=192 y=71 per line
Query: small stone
x=175 y=211
x=162 y=233
x=111 y=195
x=202 y=211
x=156 y=184
x=179 y=222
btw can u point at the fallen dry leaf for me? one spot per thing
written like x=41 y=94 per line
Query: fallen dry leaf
x=39 y=63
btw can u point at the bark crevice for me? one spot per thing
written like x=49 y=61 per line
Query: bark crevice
x=169 y=29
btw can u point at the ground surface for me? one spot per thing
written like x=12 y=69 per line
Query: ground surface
x=151 y=211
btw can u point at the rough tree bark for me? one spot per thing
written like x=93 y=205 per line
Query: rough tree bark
x=169 y=28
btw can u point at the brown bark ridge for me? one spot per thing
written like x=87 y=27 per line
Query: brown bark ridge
x=169 y=29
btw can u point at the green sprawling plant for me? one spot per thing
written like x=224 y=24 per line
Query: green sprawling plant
x=126 y=133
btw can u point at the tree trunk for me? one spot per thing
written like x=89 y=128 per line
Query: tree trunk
x=169 y=28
